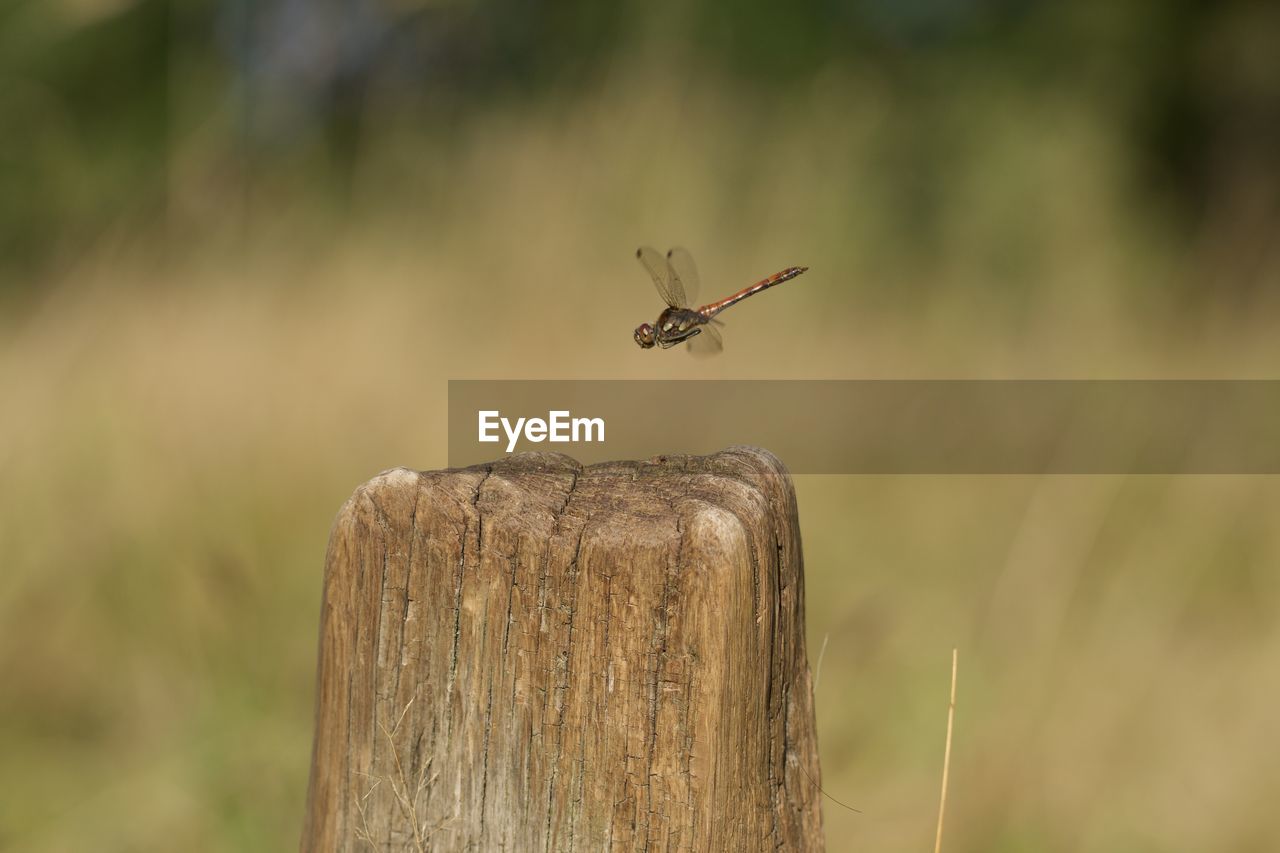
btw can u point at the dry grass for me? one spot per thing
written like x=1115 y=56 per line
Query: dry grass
x=408 y=800
x=946 y=759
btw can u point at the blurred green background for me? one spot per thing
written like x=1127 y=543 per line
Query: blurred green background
x=243 y=245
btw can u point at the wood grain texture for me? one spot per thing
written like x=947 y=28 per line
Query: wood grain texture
x=534 y=655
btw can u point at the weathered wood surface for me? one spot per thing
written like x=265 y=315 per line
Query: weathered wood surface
x=533 y=655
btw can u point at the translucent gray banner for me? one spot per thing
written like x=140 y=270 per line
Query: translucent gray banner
x=885 y=427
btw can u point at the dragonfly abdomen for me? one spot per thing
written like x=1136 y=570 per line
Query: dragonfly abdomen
x=715 y=308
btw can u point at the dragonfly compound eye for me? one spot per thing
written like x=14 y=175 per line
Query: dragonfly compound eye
x=644 y=336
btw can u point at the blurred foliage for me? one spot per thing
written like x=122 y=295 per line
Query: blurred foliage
x=99 y=96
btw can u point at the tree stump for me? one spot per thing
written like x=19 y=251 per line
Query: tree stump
x=534 y=655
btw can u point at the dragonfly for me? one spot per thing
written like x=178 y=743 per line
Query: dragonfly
x=676 y=277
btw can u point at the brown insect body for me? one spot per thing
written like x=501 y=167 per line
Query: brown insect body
x=678 y=322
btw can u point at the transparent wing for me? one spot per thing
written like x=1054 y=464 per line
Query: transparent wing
x=685 y=273
x=669 y=288
x=708 y=342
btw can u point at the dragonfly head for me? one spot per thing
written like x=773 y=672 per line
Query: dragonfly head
x=644 y=336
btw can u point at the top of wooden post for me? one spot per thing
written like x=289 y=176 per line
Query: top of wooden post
x=536 y=655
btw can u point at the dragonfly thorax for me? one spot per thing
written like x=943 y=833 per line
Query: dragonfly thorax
x=676 y=325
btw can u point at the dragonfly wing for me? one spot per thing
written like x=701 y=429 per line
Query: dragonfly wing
x=708 y=342
x=685 y=272
x=659 y=270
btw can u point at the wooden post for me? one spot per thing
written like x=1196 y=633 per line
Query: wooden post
x=534 y=655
